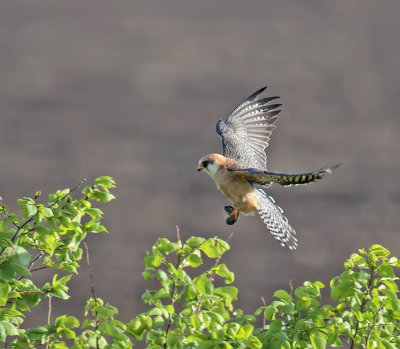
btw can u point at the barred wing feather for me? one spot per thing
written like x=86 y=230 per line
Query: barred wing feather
x=277 y=223
x=246 y=132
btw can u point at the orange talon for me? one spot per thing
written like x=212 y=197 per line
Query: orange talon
x=232 y=215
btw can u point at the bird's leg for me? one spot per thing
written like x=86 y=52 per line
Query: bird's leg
x=232 y=215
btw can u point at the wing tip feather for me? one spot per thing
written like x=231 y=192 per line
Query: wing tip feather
x=254 y=95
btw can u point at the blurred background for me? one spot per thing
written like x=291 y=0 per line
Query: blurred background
x=133 y=90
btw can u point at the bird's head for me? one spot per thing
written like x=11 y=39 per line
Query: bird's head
x=211 y=163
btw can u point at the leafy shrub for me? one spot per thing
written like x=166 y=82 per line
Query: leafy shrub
x=189 y=309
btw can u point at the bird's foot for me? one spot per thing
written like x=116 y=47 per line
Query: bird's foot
x=229 y=209
x=232 y=215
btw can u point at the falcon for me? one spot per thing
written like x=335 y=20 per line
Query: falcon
x=241 y=172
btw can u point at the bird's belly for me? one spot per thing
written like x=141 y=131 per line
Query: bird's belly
x=242 y=196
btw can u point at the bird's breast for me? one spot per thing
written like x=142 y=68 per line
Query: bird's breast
x=239 y=192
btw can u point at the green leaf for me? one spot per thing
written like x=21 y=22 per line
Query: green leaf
x=270 y=312
x=378 y=251
x=70 y=322
x=47 y=212
x=169 y=308
x=222 y=246
x=147 y=275
x=7 y=270
x=319 y=284
x=195 y=241
x=385 y=270
x=209 y=248
x=275 y=326
x=227 y=291
x=282 y=294
x=10 y=329
x=194 y=260
x=3 y=225
x=203 y=285
x=105 y=181
x=28 y=210
x=158 y=321
x=102 y=196
x=161 y=275
x=164 y=245
x=112 y=329
x=306 y=292
x=3 y=333
x=18 y=255
x=387 y=345
x=223 y=271
x=37 y=334
x=341 y=291
x=334 y=339
x=20 y=269
x=245 y=332
x=5 y=289
x=94 y=212
x=153 y=260
x=318 y=339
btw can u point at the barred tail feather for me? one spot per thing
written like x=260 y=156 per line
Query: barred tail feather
x=277 y=223
x=288 y=179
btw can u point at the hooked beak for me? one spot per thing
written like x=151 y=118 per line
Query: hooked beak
x=200 y=168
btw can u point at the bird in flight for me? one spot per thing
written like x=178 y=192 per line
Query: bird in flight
x=241 y=172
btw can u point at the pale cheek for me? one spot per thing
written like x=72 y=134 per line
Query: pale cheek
x=212 y=169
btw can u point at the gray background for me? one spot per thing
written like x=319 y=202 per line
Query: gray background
x=134 y=89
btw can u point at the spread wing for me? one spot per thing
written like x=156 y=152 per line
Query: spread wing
x=245 y=134
x=276 y=222
x=260 y=177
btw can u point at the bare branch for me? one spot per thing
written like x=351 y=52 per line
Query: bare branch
x=92 y=289
x=31 y=263
x=363 y=304
x=374 y=321
x=265 y=304
x=291 y=287
x=49 y=321
x=90 y=272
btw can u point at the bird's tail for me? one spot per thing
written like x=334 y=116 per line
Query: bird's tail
x=288 y=179
x=277 y=223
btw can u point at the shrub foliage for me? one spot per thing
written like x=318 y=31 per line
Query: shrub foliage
x=189 y=308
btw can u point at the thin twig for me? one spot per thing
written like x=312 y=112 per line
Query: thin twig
x=40 y=268
x=291 y=287
x=34 y=291
x=71 y=190
x=31 y=263
x=374 y=322
x=69 y=193
x=362 y=308
x=265 y=304
x=90 y=272
x=93 y=291
x=19 y=227
x=49 y=321
x=8 y=216
x=178 y=262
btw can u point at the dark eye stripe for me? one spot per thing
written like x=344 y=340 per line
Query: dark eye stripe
x=205 y=163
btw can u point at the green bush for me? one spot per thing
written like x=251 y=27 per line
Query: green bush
x=188 y=309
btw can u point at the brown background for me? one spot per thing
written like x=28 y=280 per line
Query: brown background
x=133 y=90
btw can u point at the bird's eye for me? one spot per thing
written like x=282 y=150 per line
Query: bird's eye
x=205 y=163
